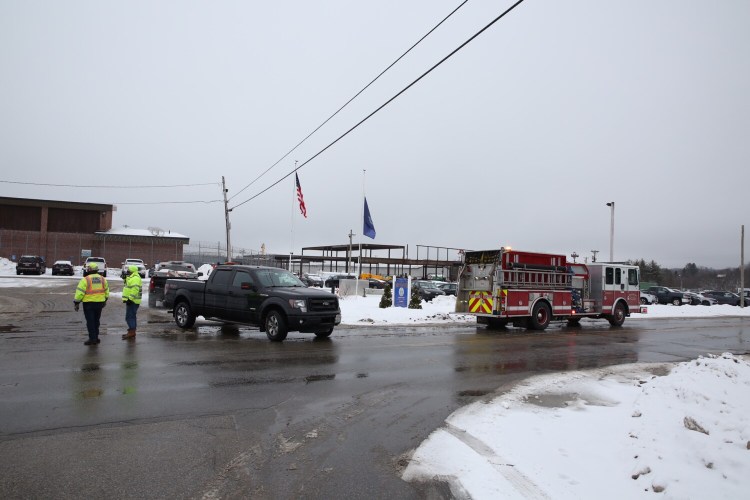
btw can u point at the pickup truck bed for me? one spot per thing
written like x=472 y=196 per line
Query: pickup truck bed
x=272 y=299
x=159 y=279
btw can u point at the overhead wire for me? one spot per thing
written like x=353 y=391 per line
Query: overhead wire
x=349 y=101
x=503 y=14
x=110 y=187
x=166 y=202
x=128 y=187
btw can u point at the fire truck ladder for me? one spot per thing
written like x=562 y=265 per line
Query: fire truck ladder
x=532 y=276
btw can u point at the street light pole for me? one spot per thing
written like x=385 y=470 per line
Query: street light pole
x=611 y=204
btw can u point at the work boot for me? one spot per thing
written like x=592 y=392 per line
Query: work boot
x=90 y=342
x=130 y=334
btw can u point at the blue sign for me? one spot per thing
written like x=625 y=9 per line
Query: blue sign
x=401 y=292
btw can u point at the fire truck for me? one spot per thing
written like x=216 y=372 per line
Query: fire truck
x=529 y=289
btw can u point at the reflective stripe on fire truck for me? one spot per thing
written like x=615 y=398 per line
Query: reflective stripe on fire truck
x=480 y=302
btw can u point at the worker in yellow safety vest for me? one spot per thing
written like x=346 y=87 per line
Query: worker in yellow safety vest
x=131 y=296
x=93 y=291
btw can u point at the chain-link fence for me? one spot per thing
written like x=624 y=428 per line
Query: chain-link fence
x=203 y=252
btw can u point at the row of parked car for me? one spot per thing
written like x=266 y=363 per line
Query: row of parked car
x=666 y=295
x=35 y=264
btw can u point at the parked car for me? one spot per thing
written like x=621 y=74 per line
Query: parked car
x=313 y=280
x=333 y=280
x=648 y=298
x=31 y=264
x=376 y=283
x=697 y=299
x=133 y=262
x=723 y=297
x=100 y=263
x=62 y=268
x=427 y=290
x=668 y=295
x=449 y=288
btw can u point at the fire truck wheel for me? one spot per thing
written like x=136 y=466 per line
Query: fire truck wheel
x=540 y=316
x=618 y=316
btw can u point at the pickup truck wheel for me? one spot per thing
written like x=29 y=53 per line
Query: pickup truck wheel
x=276 y=328
x=324 y=334
x=676 y=302
x=618 y=315
x=540 y=316
x=183 y=315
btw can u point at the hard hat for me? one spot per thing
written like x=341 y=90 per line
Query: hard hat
x=133 y=269
x=93 y=265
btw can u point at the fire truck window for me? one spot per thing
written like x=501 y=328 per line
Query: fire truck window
x=633 y=277
x=618 y=276
x=609 y=275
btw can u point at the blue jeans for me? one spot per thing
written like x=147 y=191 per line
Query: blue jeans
x=131 y=309
x=92 y=311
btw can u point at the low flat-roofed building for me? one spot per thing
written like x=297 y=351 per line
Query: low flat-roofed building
x=66 y=230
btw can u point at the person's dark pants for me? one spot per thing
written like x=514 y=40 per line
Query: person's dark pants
x=93 y=313
x=131 y=309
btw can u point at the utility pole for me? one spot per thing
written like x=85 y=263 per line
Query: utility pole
x=575 y=256
x=611 y=204
x=593 y=253
x=224 y=190
x=743 y=302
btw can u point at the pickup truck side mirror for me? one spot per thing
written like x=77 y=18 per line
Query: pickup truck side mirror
x=200 y=274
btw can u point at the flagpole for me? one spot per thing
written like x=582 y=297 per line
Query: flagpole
x=361 y=218
x=294 y=199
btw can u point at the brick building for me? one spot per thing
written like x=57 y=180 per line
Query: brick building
x=64 y=230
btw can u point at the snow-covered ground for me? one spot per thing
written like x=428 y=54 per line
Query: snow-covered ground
x=621 y=432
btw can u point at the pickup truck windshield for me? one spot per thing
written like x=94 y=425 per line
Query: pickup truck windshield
x=278 y=277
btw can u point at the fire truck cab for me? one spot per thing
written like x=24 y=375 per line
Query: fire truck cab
x=530 y=289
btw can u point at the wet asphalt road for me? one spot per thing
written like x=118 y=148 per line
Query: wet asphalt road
x=221 y=412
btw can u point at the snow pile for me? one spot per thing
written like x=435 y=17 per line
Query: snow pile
x=366 y=311
x=619 y=432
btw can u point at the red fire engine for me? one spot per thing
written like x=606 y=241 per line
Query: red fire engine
x=530 y=289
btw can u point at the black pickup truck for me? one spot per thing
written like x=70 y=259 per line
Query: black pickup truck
x=272 y=299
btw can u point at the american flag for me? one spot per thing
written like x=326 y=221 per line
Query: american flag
x=300 y=198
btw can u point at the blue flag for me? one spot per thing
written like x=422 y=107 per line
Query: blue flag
x=369 y=227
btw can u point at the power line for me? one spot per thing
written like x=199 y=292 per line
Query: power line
x=109 y=187
x=387 y=102
x=164 y=202
x=349 y=101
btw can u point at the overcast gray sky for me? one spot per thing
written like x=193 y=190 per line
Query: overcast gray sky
x=519 y=139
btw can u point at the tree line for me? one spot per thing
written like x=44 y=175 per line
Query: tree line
x=692 y=277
